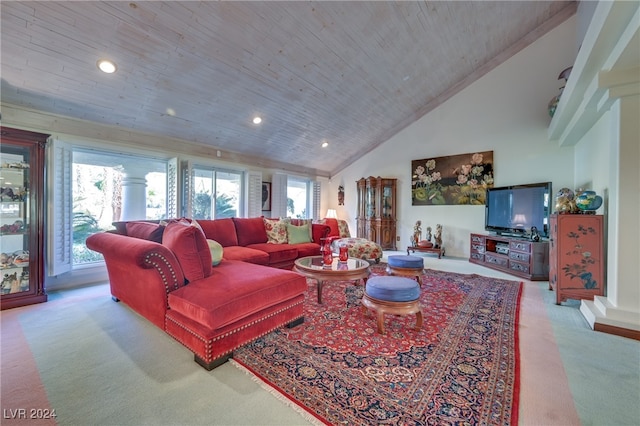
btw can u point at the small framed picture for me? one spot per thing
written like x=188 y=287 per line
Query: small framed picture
x=266 y=196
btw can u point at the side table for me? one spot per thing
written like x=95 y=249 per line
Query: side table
x=313 y=267
x=438 y=250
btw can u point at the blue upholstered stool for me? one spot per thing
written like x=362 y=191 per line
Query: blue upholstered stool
x=392 y=295
x=406 y=266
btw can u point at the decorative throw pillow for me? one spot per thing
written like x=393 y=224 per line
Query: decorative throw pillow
x=299 y=222
x=216 y=252
x=221 y=230
x=333 y=224
x=250 y=231
x=190 y=246
x=276 y=231
x=197 y=225
x=298 y=234
x=343 y=226
x=145 y=230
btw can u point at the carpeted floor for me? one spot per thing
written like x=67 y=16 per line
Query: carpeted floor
x=461 y=366
x=97 y=362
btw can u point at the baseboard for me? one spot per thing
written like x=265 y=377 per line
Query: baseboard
x=618 y=331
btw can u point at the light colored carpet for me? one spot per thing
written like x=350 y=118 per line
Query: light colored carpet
x=542 y=369
x=23 y=394
x=100 y=363
x=103 y=364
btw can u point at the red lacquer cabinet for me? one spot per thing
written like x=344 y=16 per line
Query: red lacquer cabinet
x=576 y=256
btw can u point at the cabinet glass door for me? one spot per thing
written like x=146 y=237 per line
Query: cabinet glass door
x=387 y=201
x=371 y=202
x=14 y=219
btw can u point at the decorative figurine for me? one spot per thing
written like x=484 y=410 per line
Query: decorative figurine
x=428 y=236
x=437 y=237
x=417 y=233
x=535 y=235
x=565 y=201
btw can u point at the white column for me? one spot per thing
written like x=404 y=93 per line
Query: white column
x=134 y=194
x=621 y=307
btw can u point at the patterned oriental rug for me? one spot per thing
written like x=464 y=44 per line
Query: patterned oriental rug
x=462 y=367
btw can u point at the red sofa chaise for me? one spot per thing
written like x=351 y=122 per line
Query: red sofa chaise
x=166 y=275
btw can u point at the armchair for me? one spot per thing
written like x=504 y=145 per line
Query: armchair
x=360 y=248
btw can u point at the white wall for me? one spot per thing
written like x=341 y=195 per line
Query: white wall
x=505 y=112
x=592 y=158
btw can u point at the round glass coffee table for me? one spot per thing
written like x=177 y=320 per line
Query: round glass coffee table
x=313 y=267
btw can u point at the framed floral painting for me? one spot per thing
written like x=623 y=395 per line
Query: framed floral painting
x=455 y=179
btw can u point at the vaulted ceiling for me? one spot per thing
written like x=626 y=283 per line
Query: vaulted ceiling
x=351 y=74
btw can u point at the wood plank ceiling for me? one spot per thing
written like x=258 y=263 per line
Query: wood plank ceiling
x=349 y=73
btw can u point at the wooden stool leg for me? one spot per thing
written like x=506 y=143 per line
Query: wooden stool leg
x=365 y=311
x=380 y=320
x=418 y=320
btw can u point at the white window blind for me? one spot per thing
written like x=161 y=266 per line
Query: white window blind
x=59 y=244
x=254 y=194
x=279 y=195
x=187 y=188
x=172 y=188
x=315 y=200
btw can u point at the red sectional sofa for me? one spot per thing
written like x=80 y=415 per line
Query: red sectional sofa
x=165 y=273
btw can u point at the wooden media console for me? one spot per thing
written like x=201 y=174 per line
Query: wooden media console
x=516 y=256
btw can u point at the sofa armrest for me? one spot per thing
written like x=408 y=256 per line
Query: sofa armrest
x=141 y=272
x=319 y=231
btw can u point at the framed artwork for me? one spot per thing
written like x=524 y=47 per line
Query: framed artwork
x=266 y=196
x=454 y=179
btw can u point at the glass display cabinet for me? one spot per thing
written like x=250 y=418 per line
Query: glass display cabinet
x=377 y=211
x=21 y=217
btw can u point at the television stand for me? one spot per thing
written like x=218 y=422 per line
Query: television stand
x=516 y=256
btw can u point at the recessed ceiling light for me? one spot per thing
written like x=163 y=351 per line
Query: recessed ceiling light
x=107 y=66
x=257 y=120
x=325 y=144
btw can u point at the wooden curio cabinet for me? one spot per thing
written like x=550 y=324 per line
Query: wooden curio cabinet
x=22 y=217
x=576 y=256
x=377 y=211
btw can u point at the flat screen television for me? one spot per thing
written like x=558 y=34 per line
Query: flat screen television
x=514 y=210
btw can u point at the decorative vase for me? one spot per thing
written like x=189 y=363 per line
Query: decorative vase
x=327 y=255
x=588 y=201
x=565 y=201
x=344 y=253
x=553 y=103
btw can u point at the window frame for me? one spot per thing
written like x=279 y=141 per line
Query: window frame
x=189 y=170
x=59 y=256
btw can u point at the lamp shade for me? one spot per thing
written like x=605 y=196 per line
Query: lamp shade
x=519 y=220
x=331 y=213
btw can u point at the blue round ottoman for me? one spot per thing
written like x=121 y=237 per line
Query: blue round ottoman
x=406 y=266
x=392 y=295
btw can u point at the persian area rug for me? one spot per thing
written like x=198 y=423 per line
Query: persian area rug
x=462 y=367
